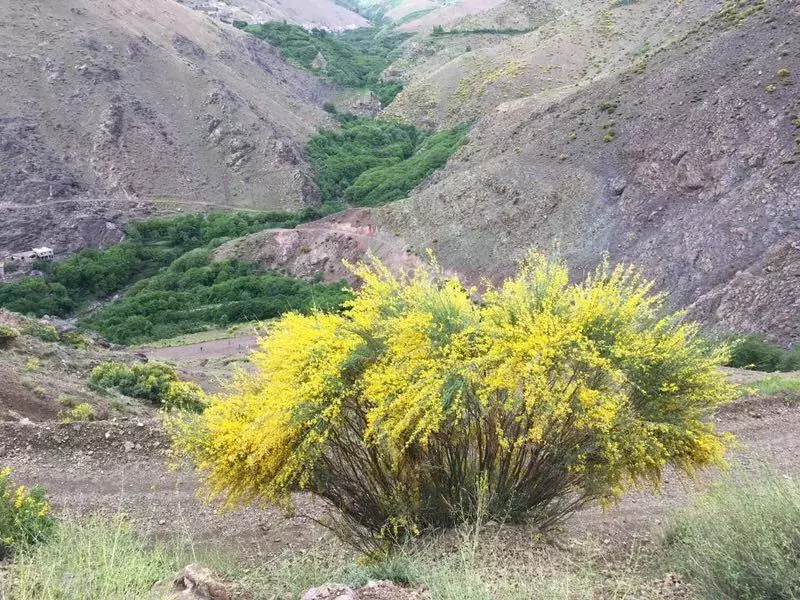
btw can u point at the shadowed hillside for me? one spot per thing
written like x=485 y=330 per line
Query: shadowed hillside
x=143 y=101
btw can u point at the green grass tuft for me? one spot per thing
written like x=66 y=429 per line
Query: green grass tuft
x=92 y=561
x=742 y=541
x=773 y=386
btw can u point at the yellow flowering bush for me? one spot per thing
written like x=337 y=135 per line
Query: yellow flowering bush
x=25 y=517
x=551 y=394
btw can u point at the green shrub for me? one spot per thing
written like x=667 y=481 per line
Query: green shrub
x=25 y=517
x=419 y=407
x=753 y=352
x=184 y=396
x=148 y=381
x=742 y=541
x=79 y=412
x=75 y=340
x=42 y=331
x=156 y=382
x=7 y=335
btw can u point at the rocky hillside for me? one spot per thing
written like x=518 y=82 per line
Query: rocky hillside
x=518 y=49
x=308 y=13
x=684 y=161
x=662 y=134
x=143 y=101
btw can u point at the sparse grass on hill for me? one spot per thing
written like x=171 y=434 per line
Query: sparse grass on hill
x=92 y=561
x=742 y=541
x=774 y=386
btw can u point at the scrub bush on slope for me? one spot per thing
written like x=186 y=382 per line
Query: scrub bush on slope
x=418 y=403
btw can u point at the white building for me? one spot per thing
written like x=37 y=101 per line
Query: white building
x=24 y=256
x=43 y=253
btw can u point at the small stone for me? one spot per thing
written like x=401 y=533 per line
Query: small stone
x=618 y=185
x=194 y=582
x=330 y=592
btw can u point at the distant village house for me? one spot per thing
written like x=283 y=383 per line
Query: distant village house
x=42 y=253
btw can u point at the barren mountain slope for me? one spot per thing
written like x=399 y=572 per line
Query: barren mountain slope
x=570 y=43
x=308 y=13
x=688 y=167
x=147 y=99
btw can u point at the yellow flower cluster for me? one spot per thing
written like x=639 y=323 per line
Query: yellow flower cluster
x=24 y=515
x=421 y=384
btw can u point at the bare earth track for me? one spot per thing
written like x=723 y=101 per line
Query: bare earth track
x=108 y=468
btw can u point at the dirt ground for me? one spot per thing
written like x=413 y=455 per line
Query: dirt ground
x=225 y=348
x=107 y=468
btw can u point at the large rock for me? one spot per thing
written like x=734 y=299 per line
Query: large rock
x=193 y=582
x=374 y=590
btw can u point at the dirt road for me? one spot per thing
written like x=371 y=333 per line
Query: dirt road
x=107 y=468
x=227 y=348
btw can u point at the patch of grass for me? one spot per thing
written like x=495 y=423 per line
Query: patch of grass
x=208 y=335
x=97 y=559
x=107 y=559
x=774 y=386
x=79 y=412
x=476 y=565
x=741 y=541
